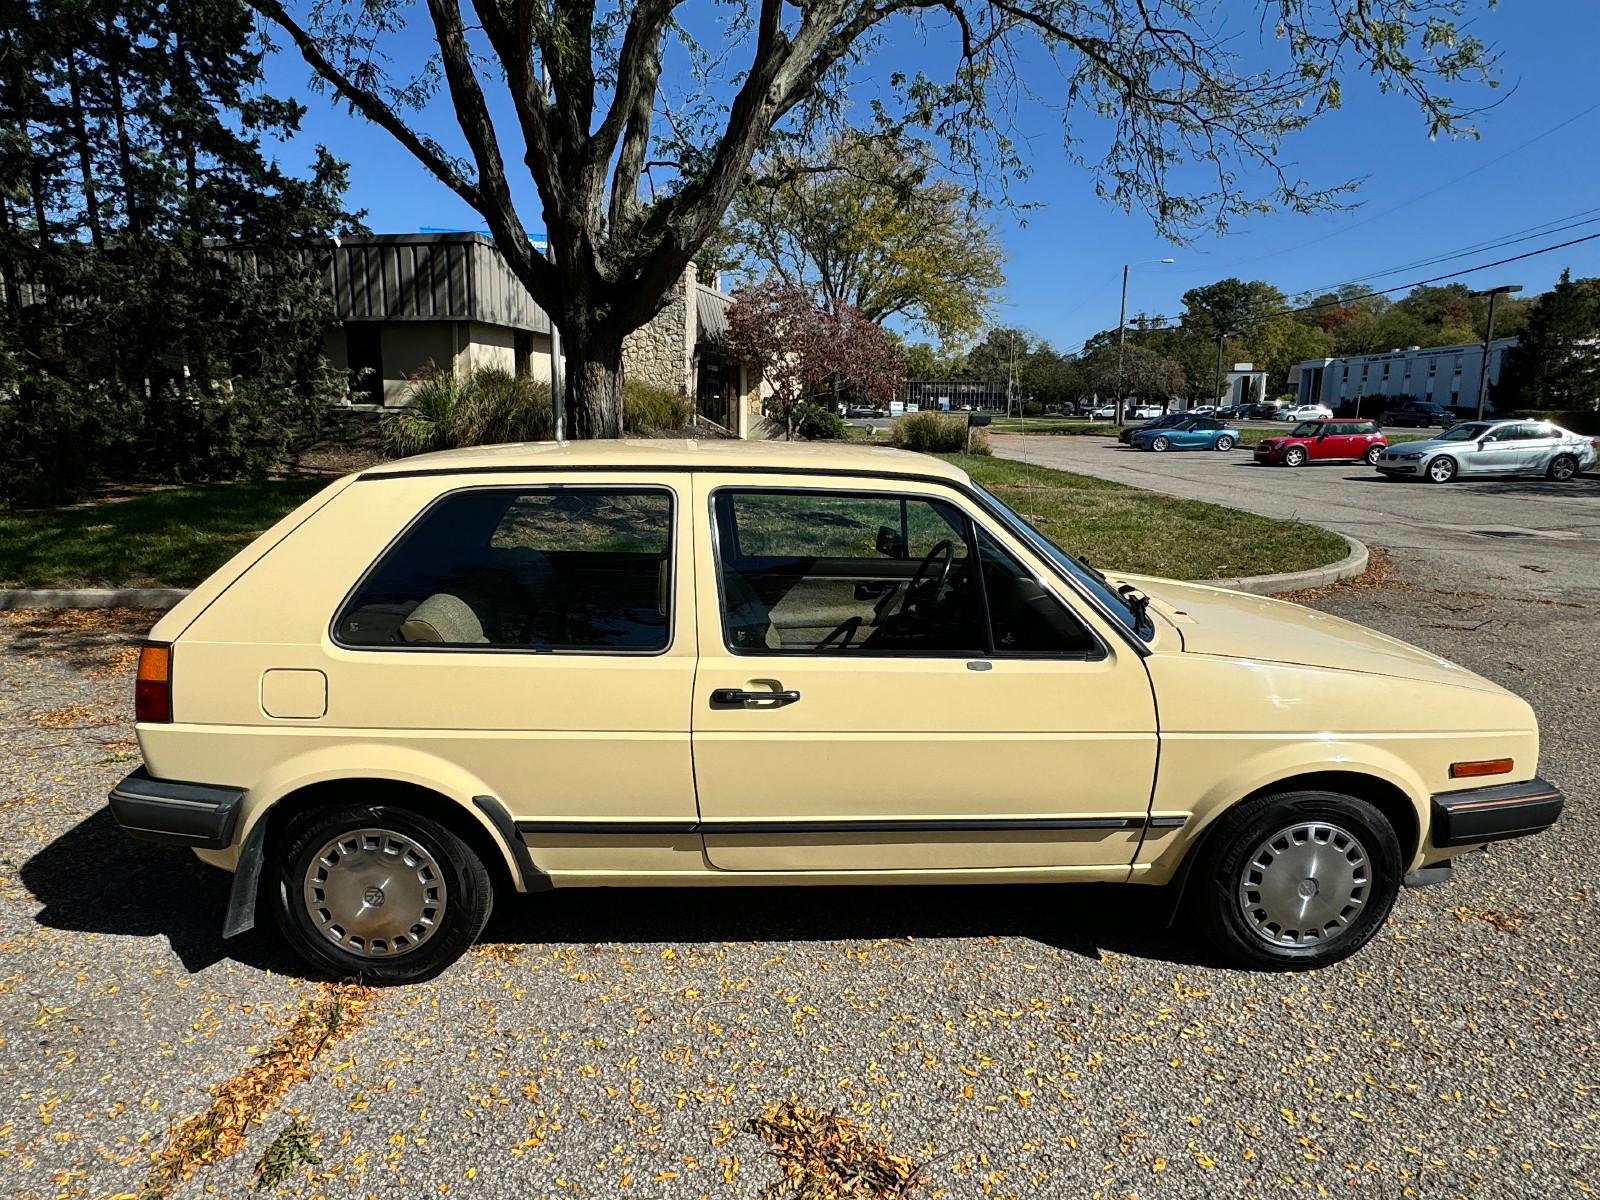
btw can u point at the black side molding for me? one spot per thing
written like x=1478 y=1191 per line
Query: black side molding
x=175 y=813
x=1490 y=814
x=929 y=825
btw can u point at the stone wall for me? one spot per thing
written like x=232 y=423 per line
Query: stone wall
x=662 y=352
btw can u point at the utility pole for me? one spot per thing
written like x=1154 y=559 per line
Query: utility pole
x=1222 y=336
x=1122 y=328
x=1494 y=295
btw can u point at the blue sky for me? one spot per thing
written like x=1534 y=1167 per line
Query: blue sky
x=1421 y=199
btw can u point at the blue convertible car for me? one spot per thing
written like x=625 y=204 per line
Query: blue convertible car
x=1192 y=433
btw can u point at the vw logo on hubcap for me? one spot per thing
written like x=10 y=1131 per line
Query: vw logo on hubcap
x=373 y=896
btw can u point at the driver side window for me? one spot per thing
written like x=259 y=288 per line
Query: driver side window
x=846 y=573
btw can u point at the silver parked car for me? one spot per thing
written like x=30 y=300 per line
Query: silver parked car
x=1482 y=448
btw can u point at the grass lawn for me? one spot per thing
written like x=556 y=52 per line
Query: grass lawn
x=1122 y=528
x=168 y=537
x=177 y=536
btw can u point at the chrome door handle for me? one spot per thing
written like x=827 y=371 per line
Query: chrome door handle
x=737 y=698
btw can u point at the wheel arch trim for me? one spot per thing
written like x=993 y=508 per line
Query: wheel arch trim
x=468 y=799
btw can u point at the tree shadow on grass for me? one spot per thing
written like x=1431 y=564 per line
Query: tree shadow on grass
x=96 y=879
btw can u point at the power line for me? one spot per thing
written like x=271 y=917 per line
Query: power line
x=1161 y=320
x=1434 y=191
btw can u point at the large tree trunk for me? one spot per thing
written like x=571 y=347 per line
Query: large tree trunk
x=594 y=381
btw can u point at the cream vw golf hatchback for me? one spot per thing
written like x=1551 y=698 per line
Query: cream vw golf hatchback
x=522 y=667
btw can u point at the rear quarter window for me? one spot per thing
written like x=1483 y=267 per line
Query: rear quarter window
x=555 y=568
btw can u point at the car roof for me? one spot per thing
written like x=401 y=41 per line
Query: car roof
x=675 y=454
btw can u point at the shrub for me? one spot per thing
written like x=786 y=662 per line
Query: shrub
x=650 y=409
x=818 y=424
x=487 y=406
x=936 y=433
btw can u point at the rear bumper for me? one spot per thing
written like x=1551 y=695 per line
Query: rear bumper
x=1489 y=814
x=178 y=814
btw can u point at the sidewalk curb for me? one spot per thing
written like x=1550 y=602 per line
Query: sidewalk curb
x=1348 y=567
x=91 y=597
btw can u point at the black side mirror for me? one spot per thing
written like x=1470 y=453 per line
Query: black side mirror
x=890 y=543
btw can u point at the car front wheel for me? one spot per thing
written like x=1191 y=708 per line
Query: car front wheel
x=1294 y=456
x=1562 y=468
x=1224 y=442
x=1373 y=454
x=1160 y=444
x=1297 y=880
x=1442 y=469
x=379 y=893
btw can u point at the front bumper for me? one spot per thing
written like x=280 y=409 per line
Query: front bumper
x=178 y=814
x=1489 y=814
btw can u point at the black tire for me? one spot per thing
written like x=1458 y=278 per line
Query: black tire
x=449 y=890
x=1238 y=915
x=1562 y=469
x=1160 y=445
x=1440 y=470
x=1224 y=442
x=1294 y=456
x=1373 y=454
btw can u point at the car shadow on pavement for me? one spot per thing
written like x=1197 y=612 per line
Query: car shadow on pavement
x=96 y=879
x=1078 y=919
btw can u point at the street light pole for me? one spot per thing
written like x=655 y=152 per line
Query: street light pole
x=1122 y=327
x=1222 y=336
x=1494 y=295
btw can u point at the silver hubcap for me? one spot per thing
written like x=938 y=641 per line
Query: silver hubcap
x=375 y=893
x=1562 y=468
x=1304 y=885
x=1295 y=457
x=1441 y=470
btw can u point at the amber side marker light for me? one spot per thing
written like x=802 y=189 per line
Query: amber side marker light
x=152 y=688
x=1488 y=766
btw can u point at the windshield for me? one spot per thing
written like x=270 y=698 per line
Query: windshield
x=1128 y=613
x=1305 y=429
x=1464 y=433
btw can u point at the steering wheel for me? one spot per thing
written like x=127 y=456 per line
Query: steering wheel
x=844 y=633
x=932 y=573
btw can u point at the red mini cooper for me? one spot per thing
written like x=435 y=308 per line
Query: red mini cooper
x=1324 y=441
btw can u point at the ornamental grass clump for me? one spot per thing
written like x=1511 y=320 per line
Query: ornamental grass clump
x=484 y=407
x=936 y=433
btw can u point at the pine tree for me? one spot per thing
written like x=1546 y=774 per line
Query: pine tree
x=160 y=299
x=1556 y=362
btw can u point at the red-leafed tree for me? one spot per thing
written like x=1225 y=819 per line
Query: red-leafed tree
x=806 y=351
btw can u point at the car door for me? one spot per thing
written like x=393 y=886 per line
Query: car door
x=887 y=684
x=1336 y=442
x=1189 y=434
x=1538 y=443
x=1500 y=451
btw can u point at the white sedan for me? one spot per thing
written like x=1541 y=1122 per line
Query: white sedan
x=1305 y=412
x=1481 y=448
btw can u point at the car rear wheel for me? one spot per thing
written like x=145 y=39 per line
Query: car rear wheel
x=1442 y=469
x=1294 y=456
x=1562 y=468
x=1373 y=454
x=1224 y=442
x=1159 y=444
x=1297 y=880
x=379 y=893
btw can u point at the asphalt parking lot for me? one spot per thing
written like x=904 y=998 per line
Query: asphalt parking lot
x=1011 y=1041
x=1510 y=535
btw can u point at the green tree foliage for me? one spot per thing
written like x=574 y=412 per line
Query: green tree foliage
x=1144 y=374
x=633 y=169
x=1556 y=364
x=868 y=222
x=161 y=312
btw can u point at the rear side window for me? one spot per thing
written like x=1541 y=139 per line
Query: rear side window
x=540 y=569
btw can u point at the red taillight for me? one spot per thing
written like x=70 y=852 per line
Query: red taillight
x=152 y=688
